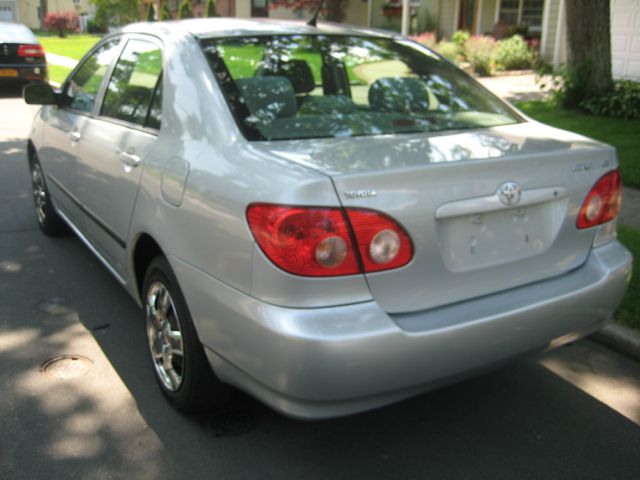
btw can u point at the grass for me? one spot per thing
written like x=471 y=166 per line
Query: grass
x=622 y=134
x=58 y=73
x=72 y=46
x=629 y=312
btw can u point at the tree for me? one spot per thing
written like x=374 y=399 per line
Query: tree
x=62 y=22
x=210 y=10
x=589 y=46
x=151 y=12
x=165 y=14
x=185 y=10
x=116 y=12
x=333 y=9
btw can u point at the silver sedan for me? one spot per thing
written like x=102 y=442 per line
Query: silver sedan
x=329 y=218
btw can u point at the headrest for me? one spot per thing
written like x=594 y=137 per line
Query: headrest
x=296 y=70
x=268 y=97
x=399 y=94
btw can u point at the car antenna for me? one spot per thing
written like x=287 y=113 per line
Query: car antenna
x=314 y=20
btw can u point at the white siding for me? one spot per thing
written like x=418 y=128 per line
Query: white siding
x=488 y=16
x=625 y=39
x=446 y=19
x=554 y=10
x=243 y=8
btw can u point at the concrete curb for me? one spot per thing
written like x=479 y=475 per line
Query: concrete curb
x=622 y=339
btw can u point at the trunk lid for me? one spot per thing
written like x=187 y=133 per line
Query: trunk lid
x=445 y=191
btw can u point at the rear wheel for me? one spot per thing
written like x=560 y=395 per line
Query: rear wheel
x=180 y=364
x=48 y=219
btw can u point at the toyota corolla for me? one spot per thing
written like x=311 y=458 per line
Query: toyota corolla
x=329 y=218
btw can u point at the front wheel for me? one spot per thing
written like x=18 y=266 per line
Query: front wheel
x=48 y=219
x=178 y=357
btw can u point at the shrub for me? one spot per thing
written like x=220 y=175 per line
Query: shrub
x=479 y=51
x=513 y=54
x=460 y=37
x=95 y=26
x=185 y=10
x=428 y=39
x=62 y=22
x=210 y=10
x=165 y=14
x=570 y=87
x=448 y=50
x=622 y=101
x=151 y=12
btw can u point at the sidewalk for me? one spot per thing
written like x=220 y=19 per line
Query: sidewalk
x=54 y=59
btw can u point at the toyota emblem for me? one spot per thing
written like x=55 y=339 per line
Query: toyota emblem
x=509 y=193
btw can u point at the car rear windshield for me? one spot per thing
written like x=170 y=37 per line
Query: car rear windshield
x=284 y=87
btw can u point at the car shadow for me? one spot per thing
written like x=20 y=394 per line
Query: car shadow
x=11 y=90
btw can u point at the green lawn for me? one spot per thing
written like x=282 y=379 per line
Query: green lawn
x=629 y=311
x=73 y=46
x=58 y=73
x=622 y=134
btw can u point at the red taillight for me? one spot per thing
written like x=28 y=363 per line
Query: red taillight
x=603 y=201
x=317 y=242
x=305 y=241
x=30 y=51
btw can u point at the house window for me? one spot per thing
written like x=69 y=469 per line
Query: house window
x=522 y=12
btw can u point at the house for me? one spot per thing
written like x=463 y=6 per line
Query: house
x=32 y=12
x=545 y=20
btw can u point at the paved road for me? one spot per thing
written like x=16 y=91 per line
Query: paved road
x=573 y=413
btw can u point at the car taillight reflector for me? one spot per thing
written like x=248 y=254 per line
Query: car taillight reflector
x=30 y=51
x=318 y=242
x=382 y=243
x=603 y=201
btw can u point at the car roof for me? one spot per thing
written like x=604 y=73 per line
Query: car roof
x=232 y=27
x=16 y=33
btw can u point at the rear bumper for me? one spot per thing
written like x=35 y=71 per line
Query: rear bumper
x=25 y=73
x=326 y=362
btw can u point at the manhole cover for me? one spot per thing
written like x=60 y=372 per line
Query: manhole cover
x=66 y=366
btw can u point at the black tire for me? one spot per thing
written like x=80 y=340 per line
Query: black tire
x=48 y=219
x=192 y=386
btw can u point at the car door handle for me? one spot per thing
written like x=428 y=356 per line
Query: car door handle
x=130 y=158
x=75 y=136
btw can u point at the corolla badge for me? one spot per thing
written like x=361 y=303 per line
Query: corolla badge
x=509 y=193
x=369 y=192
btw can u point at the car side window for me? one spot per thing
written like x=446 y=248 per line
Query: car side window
x=85 y=83
x=131 y=88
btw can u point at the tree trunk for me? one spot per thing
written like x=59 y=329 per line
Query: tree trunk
x=589 y=42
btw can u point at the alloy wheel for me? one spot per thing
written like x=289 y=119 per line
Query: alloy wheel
x=165 y=336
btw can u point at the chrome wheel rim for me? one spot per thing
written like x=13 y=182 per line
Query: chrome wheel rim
x=39 y=192
x=165 y=336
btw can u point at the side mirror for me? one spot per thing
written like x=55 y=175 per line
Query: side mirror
x=39 y=94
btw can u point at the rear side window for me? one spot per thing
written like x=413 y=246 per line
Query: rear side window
x=134 y=87
x=85 y=82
